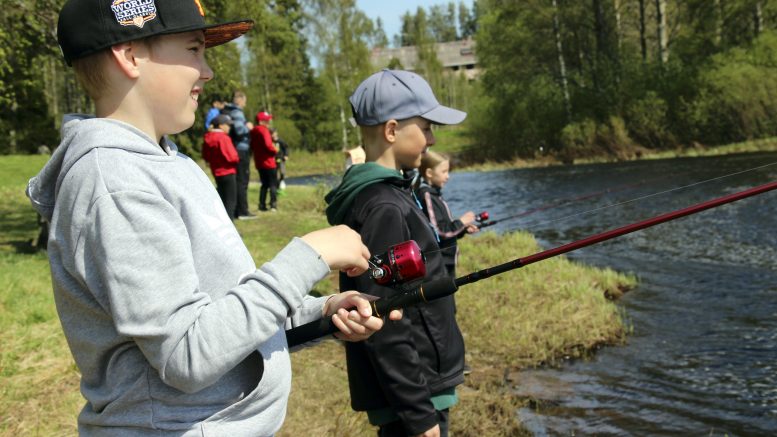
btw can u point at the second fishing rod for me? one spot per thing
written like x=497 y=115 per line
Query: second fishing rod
x=405 y=262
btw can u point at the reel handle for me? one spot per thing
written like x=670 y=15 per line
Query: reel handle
x=428 y=291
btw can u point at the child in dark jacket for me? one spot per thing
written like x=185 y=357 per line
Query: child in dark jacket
x=219 y=152
x=434 y=171
x=405 y=376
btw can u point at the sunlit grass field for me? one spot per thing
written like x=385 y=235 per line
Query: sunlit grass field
x=538 y=315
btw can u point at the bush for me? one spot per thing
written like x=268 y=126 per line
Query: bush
x=738 y=97
x=587 y=138
x=577 y=140
x=647 y=121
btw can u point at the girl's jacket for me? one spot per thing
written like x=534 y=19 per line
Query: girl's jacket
x=448 y=229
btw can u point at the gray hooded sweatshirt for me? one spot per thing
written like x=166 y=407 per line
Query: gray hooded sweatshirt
x=174 y=329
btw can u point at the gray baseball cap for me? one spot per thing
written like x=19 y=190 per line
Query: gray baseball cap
x=399 y=95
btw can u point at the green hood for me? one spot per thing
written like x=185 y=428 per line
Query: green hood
x=357 y=178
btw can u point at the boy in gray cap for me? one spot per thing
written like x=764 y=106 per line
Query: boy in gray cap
x=173 y=328
x=404 y=376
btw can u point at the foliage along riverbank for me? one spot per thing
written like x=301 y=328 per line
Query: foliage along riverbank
x=456 y=142
x=537 y=315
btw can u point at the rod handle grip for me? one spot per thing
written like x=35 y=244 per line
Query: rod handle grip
x=428 y=291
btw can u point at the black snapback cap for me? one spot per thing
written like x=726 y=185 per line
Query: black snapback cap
x=88 y=26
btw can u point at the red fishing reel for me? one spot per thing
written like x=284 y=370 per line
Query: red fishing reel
x=402 y=263
x=483 y=216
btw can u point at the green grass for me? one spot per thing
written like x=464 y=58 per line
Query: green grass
x=540 y=314
x=304 y=163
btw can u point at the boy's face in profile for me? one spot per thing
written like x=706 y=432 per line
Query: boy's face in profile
x=413 y=136
x=225 y=127
x=172 y=73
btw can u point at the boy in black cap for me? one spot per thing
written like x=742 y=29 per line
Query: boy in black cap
x=404 y=376
x=173 y=328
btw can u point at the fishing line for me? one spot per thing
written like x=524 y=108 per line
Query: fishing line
x=567 y=200
x=547 y=222
x=613 y=204
x=446 y=286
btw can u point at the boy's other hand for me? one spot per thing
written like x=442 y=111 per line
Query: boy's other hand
x=352 y=314
x=433 y=432
x=341 y=248
x=249 y=125
x=468 y=218
x=471 y=229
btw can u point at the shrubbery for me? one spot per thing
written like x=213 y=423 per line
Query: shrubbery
x=712 y=90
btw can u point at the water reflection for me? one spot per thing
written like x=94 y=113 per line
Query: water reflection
x=703 y=354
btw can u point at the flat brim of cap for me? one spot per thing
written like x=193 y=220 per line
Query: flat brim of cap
x=218 y=34
x=445 y=115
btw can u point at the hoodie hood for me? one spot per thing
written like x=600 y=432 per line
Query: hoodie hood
x=357 y=178
x=80 y=135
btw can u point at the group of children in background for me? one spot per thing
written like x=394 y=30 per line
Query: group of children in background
x=269 y=151
x=173 y=328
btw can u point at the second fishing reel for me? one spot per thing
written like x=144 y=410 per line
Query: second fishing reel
x=400 y=264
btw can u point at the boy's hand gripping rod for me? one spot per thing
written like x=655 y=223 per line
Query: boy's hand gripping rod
x=404 y=262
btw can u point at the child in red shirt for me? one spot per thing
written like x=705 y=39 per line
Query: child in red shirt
x=219 y=152
x=264 y=151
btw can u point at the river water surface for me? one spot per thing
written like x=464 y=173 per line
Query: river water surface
x=702 y=359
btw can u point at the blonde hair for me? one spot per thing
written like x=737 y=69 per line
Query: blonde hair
x=431 y=159
x=372 y=134
x=90 y=70
x=90 y=73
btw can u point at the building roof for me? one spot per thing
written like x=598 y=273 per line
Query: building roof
x=452 y=55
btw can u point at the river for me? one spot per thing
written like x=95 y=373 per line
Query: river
x=702 y=358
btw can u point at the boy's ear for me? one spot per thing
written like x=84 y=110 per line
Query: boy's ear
x=390 y=130
x=428 y=174
x=125 y=55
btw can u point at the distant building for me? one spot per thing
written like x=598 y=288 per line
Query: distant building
x=454 y=56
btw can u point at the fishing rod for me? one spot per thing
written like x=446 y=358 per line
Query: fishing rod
x=486 y=223
x=408 y=263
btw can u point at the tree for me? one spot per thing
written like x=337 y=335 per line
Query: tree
x=442 y=22
x=341 y=33
x=379 y=38
x=561 y=62
x=596 y=77
x=36 y=87
x=662 y=31
x=467 y=20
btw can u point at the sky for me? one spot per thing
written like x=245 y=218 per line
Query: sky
x=391 y=11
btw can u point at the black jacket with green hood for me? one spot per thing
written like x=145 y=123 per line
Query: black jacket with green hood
x=406 y=363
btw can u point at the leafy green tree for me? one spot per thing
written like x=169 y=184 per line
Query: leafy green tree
x=442 y=22
x=340 y=33
x=379 y=38
x=467 y=20
x=652 y=73
x=35 y=85
x=407 y=33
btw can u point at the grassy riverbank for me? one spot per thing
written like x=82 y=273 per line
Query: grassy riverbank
x=541 y=314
